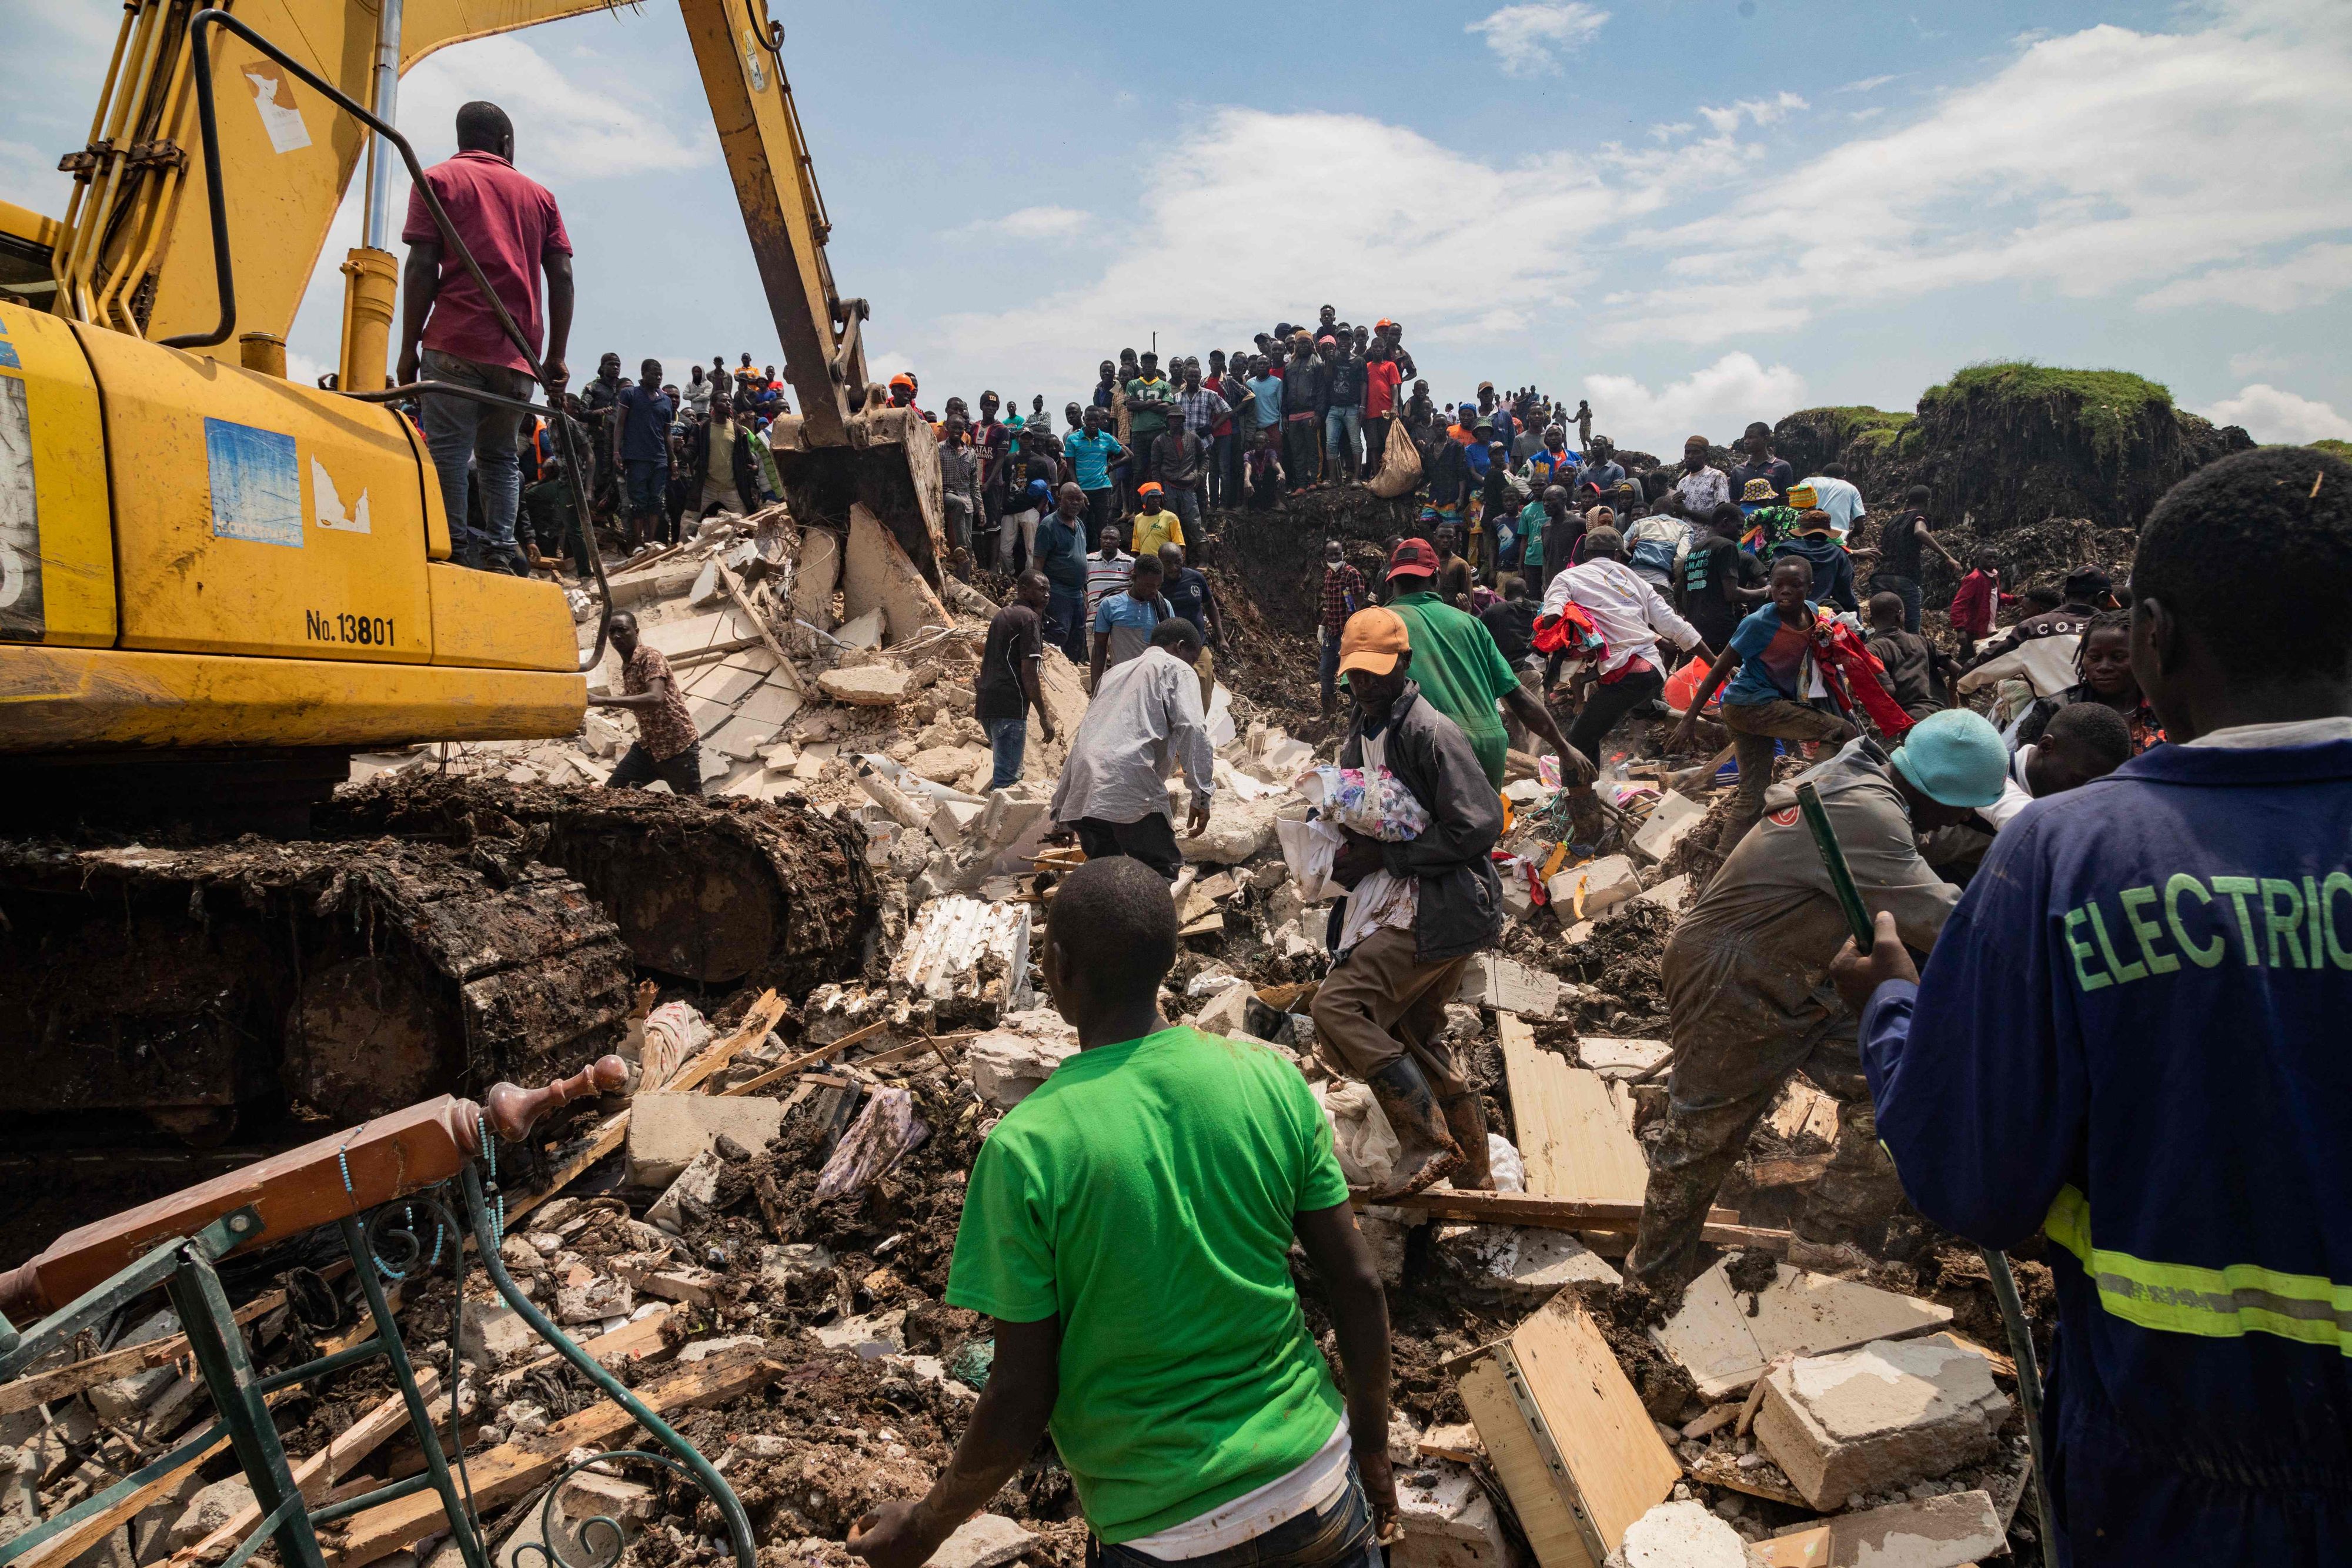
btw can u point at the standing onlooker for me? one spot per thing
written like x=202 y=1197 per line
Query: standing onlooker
x=1188 y=593
x=1344 y=593
x=666 y=747
x=1145 y=716
x=1708 y=588
x=1091 y=451
x=1006 y=688
x=1382 y=379
x=640 y=422
x=1583 y=425
x=1760 y=463
x=1125 y=620
x=1265 y=426
x=510 y=224
x=1900 y=543
x=1016 y=538
x=1975 y=600
x=1177 y=456
x=1702 y=486
x=1062 y=558
x=1155 y=525
x=1343 y=411
x=1302 y=415
x=1108 y=571
x=698 y=391
x=958 y=480
x=1150 y=401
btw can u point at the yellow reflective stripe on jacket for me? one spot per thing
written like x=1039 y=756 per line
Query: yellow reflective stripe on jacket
x=2220 y=1303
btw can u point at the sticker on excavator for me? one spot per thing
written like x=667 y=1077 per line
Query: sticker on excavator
x=22 y=617
x=327 y=503
x=256 y=484
x=273 y=98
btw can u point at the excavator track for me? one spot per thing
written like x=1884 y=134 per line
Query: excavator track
x=259 y=981
x=720 y=892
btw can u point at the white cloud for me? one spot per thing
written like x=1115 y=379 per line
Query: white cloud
x=1758 y=111
x=2270 y=414
x=1532 y=39
x=1716 y=401
x=2314 y=273
x=1033 y=223
x=1872 y=84
x=587 y=121
x=2101 y=161
x=1394 y=225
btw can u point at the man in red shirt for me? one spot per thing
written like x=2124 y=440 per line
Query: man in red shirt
x=509 y=223
x=1383 y=375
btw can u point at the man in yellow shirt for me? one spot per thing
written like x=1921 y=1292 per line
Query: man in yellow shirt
x=1154 y=525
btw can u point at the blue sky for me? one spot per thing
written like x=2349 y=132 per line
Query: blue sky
x=1693 y=213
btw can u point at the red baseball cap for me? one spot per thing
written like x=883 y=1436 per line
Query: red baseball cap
x=1413 y=558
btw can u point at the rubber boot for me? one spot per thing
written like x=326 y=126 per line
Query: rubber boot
x=1426 y=1151
x=1466 y=1118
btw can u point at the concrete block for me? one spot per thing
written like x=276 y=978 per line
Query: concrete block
x=1009 y=1063
x=1946 y=1532
x=878 y=1334
x=1680 y=1535
x=1508 y=986
x=946 y=764
x=867 y=685
x=815 y=578
x=1620 y=1059
x=1673 y=818
x=983 y=1541
x=696 y=1186
x=1238 y=829
x=124 y=1400
x=651 y=1276
x=1886 y=1414
x=584 y=1296
x=1669 y=896
x=1522 y=1266
x=668 y=1130
x=494 y=1337
x=1602 y=885
x=862 y=632
x=794 y=1263
x=877 y=574
x=211 y=1508
x=1447 y=1521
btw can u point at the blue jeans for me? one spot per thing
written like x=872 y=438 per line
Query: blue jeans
x=1066 y=609
x=1904 y=588
x=1339 y=1535
x=1185 y=502
x=1343 y=438
x=1009 y=739
x=1221 y=458
x=648 y=486
x=457 y=429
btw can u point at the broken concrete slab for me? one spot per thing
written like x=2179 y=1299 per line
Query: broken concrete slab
x=818 y=574
x=586 y=1296
x=493 y=1337
x=969 y=953
x=1669 y=896
x=1680 y=1535
x=878 y=1334
x=794 y=1263
x=1673 y=818
x=877 y=574
x=722 y=630
x=1619 y=1059
x=1238 y=831
x=1886 y=1414
x=1447 y=1521
x=1947 y=1531
x=983 y=1541
x=1012 y=1062
x=1725 y=1338
x=946 y=764
x=697 y=1187
x=1588 y=891
x=862 y=632
x=867 y=686
x=668 y=1130
x=1523 y=1266
x=1508 y=986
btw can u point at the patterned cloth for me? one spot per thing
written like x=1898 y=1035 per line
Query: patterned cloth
x=1703 y=491
x=667 y=728
x=1343 y=594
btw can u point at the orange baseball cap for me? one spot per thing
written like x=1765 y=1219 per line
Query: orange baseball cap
x=1371 y=640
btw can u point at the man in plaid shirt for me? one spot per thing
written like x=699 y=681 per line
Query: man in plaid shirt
x=1344 y=593
x=1201 y=406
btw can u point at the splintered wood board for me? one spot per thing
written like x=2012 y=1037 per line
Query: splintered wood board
x=1725 y=1350
x=1567 y=1436
x=1571 y=1135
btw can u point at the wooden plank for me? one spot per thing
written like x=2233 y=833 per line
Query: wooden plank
x=508 y=1470
x=1527 y=1208
x=1519 y=1465
x=40 y=1387
x=760 y=624
x=1575 y=1143
x=1616 y=1462
x=803 y=1063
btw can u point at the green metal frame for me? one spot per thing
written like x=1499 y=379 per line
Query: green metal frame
x=185 y=1270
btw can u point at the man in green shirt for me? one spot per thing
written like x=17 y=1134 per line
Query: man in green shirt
x=1127 y=1225
x=1151 y=399
x=1461 y=670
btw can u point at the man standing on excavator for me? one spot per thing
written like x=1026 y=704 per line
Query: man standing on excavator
x=510 y=224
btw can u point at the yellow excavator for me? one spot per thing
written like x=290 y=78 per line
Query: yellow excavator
x=217 y=584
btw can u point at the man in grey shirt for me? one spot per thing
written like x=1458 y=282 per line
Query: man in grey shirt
x=1145 y=718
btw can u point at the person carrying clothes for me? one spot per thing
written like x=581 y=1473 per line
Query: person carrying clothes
x=1630 y=617
x=1145 y=718
x=1769 y=663
x=1128 y=1227
x=2129 y=1039
x=1746 y=978
x=1416 y=912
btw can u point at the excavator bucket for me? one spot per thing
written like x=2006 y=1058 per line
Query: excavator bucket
x=889 y=465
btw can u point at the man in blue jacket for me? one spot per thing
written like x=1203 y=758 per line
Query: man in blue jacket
x=2131 y=1037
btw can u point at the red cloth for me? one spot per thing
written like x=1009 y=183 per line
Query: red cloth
x=508 y=221
x=1852 y=672
x=1381 y=378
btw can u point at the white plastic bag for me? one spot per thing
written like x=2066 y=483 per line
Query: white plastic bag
x=1361 y=1134
x=1509 y=1172
x=1310 y=849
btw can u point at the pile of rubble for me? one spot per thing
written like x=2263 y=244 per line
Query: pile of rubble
x=756 y=1234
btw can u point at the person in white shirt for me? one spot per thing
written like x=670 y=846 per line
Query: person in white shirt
x=1631 y=616
x=1702 y=487
x=1833 y=494
x=1143 y=722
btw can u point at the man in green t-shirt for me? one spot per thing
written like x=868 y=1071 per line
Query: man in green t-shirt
x=1151 y=399
x=1462 y=672
x=1127 y=1225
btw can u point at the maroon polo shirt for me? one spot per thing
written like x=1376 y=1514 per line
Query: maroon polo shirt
x=508 y=221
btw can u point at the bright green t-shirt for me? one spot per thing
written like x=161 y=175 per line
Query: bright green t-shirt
x=1460 y=672
x=1145 y=1194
